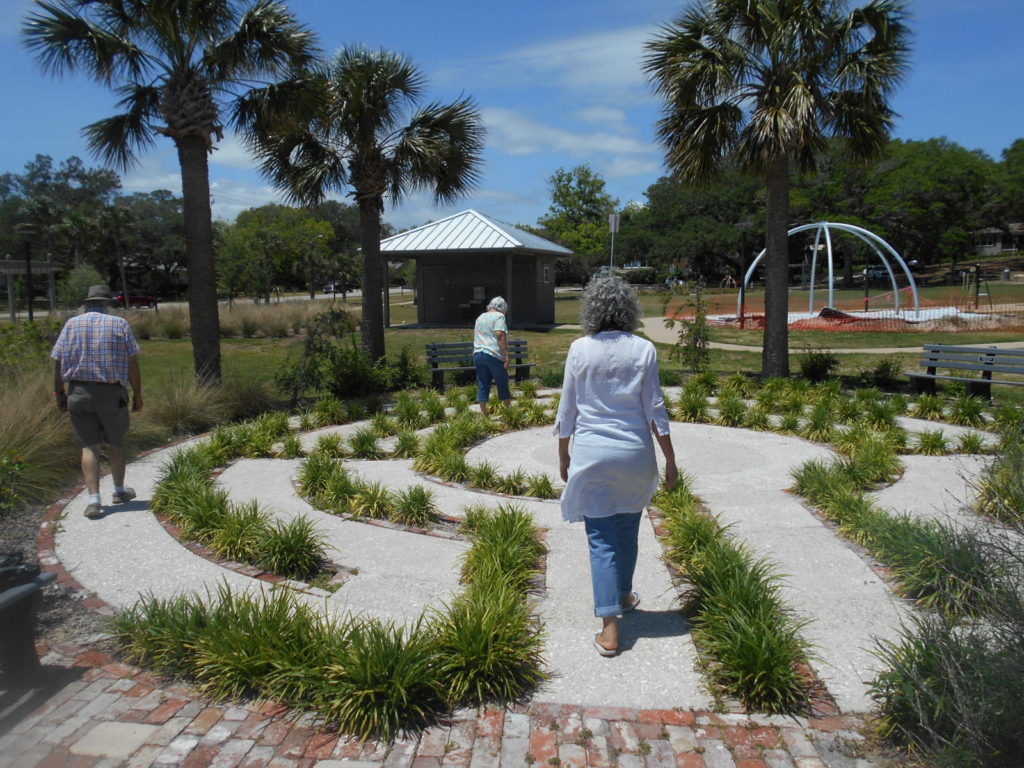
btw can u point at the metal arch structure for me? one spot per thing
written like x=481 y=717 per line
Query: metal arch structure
x=877 y=244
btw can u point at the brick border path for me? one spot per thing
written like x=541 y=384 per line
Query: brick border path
x=100 y=713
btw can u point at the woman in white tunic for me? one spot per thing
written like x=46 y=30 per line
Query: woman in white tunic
x=613 y=410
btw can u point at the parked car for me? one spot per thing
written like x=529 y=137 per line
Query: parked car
x=876 y=274
x=135 y=299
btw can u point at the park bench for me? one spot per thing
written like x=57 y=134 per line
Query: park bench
x=18 y=607
x=451 y=356
x=960 y=360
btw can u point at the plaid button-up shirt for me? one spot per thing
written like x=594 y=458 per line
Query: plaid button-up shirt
x=95 y=346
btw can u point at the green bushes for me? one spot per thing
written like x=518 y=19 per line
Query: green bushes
x=369 y=677
x=186 y=494
x=752 y=643
x=999 y=491
x=949 y=690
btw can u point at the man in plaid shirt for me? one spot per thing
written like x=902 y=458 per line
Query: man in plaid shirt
x=96 y=358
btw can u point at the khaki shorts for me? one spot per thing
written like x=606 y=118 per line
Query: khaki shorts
x=99 y=412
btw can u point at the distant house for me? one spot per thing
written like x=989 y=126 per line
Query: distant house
x=992 y=241
x=465 y=260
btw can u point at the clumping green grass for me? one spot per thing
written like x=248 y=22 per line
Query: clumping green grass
x=490 y=647
x=237 y=537
x=372 y=500
x=752 y=642
x=505 y=547
x=415 y=506
x=541 y=486
x=949 y=690
x=967 y=411
x=331 y=445
x=294 y=548
x=483 y=475
x=928 y=406
x=999 y=491
x=939 y=566
x=363 y=443
x=693 y=406
x=515 y=483
x=931 y=443
x=407 y=445
x=732 y=411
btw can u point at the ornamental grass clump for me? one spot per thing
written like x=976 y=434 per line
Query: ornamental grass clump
x=931 y=443
x=971 y=443
x=407 y=445
x=415 y=506
x=819 y=426
x=291 y=448
x=331 y=445
x=371 y=500
x=732 y=411
x=385 y=681
x=693 y=406
x=433 y=406
x=752 y=642
x=760 y=419
x=739 y=384
x=967 y=411
x=999 y=489
x=514 y=483
x=483 y=475
x=314 y=474
x=383 y=424
x=541 y=486
x=927 y=406
x=490 y=648
x=363 y=444
x=294 y=548
x=329 y=411
x=506 y=547
x=238 y=533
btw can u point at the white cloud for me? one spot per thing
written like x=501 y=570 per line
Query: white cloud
x=621 y=167
x=231 y=197
x=157 y=169
x=511 y=132
x=604 y=62
x=231 y=153
x=609 y=117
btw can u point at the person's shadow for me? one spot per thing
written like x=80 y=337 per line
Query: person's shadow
x=135 y=505
x=642 y=623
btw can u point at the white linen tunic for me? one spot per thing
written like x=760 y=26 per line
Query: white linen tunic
x=610 y=398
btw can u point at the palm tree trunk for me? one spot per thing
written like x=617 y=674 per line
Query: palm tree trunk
x=373 y=307
x=204 y=323
x=775 y=354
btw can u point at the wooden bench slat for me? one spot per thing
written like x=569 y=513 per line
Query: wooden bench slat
x=444 y=356
x=985 y=360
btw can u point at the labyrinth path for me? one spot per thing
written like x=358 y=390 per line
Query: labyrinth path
x=740 y=474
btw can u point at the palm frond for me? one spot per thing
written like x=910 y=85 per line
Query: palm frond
x=268 y=41
x=440 y=150
x=117 y=140
x=64 y=41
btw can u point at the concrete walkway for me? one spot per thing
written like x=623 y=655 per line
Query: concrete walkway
x=654 y=328
x=647 y=705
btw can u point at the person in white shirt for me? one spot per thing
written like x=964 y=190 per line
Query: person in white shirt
x=612 y=410
x=490 y=353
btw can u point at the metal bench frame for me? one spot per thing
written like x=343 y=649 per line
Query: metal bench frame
x=18 y=607
x=986 y=360
x=448 y=356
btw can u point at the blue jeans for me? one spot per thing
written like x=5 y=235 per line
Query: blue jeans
x=613 y=547
x=490 y=369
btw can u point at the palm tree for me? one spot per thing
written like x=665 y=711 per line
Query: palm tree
x=768 y=82
x=364 y=131
x=176 y=66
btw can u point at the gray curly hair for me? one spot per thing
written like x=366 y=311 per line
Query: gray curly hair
x=609 y=304
x=499 y=304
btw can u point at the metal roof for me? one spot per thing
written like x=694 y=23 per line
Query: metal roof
x=468 y=231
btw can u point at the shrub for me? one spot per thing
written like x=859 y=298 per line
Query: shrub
x=407 y=445
x=331 y=445
x=927 y=406
x=817 y=364
x=385 y=680
x=931 y=443
x=415 y=506
x=967 y=411
x=489 y=647
x=372 y=500
x=363 y=444
x=186 y=407
x=239 y=532
x=294 y=548
x=732 y=410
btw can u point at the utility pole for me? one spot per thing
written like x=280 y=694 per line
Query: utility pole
x=613 y=225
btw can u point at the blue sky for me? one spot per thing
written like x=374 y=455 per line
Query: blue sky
x=558 y=82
